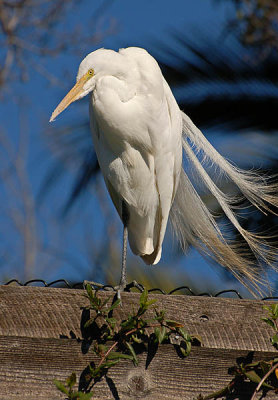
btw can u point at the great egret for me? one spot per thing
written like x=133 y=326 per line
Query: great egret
x=139 y=133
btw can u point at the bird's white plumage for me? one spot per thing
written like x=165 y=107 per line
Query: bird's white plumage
x=139 y=133
x=137 y=130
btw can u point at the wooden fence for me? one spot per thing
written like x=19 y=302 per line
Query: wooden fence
x=42 y=339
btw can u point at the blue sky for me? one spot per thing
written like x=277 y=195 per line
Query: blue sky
x=148 y=20
x=146 y=24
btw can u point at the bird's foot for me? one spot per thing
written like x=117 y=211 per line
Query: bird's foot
x=122 y=287
x=135 y=284
x=96 y=285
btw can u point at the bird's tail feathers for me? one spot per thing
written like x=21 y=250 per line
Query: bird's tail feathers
x=195 y=225
x=256 y=188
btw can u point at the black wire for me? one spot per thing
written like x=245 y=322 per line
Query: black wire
x=183 y=288
x=132 y=285
x=229 y=291
x=270 y=298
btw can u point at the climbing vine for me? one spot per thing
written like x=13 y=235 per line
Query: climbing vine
x=115 y=340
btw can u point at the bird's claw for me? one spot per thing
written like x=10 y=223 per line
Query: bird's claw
x=122 y=287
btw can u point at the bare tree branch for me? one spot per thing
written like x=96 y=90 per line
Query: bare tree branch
x=28 y=33
x=257 y=24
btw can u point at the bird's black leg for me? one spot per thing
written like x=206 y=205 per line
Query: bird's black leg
x=125 y=218
x=123 y=271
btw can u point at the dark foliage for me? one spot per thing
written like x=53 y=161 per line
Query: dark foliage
x=230 y=86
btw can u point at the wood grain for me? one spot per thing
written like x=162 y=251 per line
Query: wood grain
x=42 y=338
x=51 y=312
x=29 y=365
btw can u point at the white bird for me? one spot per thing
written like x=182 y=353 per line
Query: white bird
x=139 y=133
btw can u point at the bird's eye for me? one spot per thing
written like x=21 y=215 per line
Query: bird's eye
x=91 y=72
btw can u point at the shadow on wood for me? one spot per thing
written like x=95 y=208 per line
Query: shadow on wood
x=42 y=338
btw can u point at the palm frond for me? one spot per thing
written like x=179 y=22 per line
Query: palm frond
x=222 y=84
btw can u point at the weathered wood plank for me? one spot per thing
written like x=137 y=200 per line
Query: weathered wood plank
x=51 y=312
x=41 y=338
x=29 y=365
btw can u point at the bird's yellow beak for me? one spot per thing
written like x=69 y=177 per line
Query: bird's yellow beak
x=72 y=95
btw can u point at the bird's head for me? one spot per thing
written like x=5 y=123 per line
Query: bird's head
x=94 y=65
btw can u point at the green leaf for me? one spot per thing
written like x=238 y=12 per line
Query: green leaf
x=272 y=310
x=141 y=311
x=115 y=304
x=267 y=308
x=174 y=324
x=100 y=349
x=85 y=396
x=129 y=324
x=254 y=377
x=157 y=333
x=269 y=322
x=132 y=352
x=151 y=302
x=109 y=364
x=160 y=316
x=90 y=293
x=136 y=339
x=94 y=305
x=96 y=372
x=89 y=290
x=160 y=333
x=274 y=340
x=60 y=387
x=185 y=348
x=251 y=365
x=184 y=334
x=71 y=380
x=89 y=322
x=143 y=298
x=105 y=301
x=265 y=366
x=117 y=355
x=81 y=396
x=275 y=310
x=111 y=321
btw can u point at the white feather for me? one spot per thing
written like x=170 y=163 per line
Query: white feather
x=139 y=133
x=194 y=224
